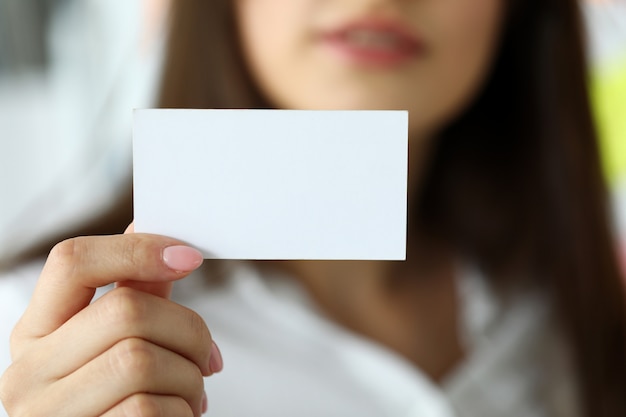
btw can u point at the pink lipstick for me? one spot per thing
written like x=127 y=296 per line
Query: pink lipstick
x=374 y=43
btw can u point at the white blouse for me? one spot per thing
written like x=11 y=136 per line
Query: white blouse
x=283 y=357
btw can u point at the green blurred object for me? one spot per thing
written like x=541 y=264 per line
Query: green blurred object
x=609 y=100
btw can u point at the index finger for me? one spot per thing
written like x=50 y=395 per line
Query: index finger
x=76 y=267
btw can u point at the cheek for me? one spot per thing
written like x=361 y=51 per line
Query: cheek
x=466 y=48
x=272 y=34
x=262 y=28
x=462 y=37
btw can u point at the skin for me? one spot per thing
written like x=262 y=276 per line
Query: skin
x=295 y=70
x=138 y=350
x=281 y=42
x=141 y=354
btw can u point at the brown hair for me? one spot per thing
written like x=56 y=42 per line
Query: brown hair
x=521 y=161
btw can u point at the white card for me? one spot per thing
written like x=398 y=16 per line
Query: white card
x=274 y=184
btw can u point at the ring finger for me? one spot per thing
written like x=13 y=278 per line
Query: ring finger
x=133 y=366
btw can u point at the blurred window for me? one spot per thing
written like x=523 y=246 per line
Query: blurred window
x=23 y=31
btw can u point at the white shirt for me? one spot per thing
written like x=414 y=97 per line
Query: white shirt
x=282 y=357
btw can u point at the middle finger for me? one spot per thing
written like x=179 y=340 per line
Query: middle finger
x=121 y=314
x=133 y=366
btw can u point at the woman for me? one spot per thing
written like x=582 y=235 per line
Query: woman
x=511 y=279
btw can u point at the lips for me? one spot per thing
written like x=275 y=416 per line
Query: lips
x=374 y=42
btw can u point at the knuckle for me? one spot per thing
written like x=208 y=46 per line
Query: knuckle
x=136 y=251
x=19 y=340
x=68 y=254
x=124 y=307
x=10 y=393
x=132 y=252
x=134 y=361
x=142 y=405
x=7 y=395
x=198 y=327
x=194 y=379
x=15 y=337
x=63 y=249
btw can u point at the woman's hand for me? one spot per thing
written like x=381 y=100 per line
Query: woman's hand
x=130 y=353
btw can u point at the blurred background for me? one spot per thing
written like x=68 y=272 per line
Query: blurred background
x=72 y=71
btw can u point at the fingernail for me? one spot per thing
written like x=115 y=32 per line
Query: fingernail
x=215 y=362
x=182 y=258
x=205 y=403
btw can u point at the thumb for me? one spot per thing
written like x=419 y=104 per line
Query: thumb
x=160 y=289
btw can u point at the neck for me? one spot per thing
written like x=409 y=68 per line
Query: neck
x=409 y=306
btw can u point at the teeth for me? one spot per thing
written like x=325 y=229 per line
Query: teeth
x=371 y=39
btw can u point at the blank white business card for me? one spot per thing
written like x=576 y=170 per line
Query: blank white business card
x=274 y=184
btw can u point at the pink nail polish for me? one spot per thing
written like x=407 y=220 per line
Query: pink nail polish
x=182 y=258
x=216 y=364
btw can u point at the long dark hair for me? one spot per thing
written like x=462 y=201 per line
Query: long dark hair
x=515 y=181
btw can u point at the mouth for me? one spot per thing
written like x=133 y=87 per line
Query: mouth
x=374 y=43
